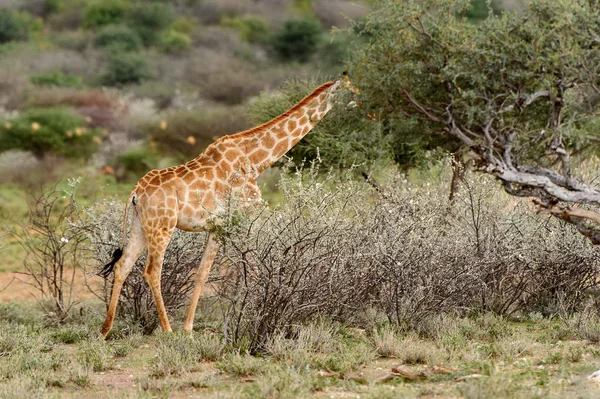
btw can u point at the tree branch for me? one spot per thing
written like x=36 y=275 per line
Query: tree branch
x=528 y=101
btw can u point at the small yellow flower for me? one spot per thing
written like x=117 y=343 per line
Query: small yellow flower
x=191 y=140
x=97 y=140
x=78 y=132
x=88 y=119
x=163 y=125
x=69 y=134
x=7 y=126
x=35 y=126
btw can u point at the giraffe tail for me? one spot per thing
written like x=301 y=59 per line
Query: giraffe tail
x=109 y=267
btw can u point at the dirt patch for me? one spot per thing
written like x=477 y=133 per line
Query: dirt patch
x=15 y=286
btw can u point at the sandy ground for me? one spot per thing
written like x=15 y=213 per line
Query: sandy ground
x=15 y=286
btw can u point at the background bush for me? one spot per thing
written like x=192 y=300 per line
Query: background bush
x=297 y=39
x=119 y=37
x=104 y=12
x=49 y=130
x=15 y=25
x=252 y=28
x=173 y=41
x=150 y=19
x=125 y=68
x=138 y=160
x=56 y=79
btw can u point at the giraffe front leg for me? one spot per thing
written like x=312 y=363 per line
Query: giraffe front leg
x=156 y=253
x=208 y=257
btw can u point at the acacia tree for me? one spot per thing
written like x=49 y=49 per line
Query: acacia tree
x=517 y=91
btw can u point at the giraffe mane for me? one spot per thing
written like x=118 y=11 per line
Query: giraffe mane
x=279 y=118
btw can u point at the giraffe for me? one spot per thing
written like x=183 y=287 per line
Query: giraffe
x=185 y=196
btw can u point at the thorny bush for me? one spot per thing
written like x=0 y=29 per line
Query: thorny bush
x=338 y=248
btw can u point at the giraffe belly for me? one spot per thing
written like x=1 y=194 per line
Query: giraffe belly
x=194 y=221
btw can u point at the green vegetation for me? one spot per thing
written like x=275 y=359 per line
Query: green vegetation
x=118 y=37
x=15 y=25
x=298 y=39
x=100 y=13
x=125 y=68
x=56 y=79
x=252 y=28
x=521 y=124
x=49 y=130
x=175 y=42
x=322 y=358
x=150 y=19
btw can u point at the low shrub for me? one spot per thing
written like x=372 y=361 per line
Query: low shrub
x=178 y=353
x=149 y=19
x=298 y=39
x=118 y=38
x=328 y=250
x=225 y=78
x=343 y=249
x=99 y=13
x=183 y=25
x=125 y=68
x=300 y=260
x=56 y=79
x=137 y=161
x=16 y=25
x=252 y=28
x=67 y=14
x=173 y=41
x=73 y=98
x=94 y=355
x=49 y=130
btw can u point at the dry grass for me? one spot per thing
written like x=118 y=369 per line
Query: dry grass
x=337 y=362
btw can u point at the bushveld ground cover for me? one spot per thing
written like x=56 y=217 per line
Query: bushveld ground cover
x=477 y=357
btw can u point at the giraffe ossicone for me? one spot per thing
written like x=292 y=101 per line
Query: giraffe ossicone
x=185 y=197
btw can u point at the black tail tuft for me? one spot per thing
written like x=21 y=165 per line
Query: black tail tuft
x=106 y=270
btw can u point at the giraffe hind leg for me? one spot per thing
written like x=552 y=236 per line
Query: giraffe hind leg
x=122 y=268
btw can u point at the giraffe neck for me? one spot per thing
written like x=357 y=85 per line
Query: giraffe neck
x=265 y=144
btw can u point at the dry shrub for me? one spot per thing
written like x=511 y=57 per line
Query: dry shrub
x=74 y=98
x=329 y=249
x=13 y=88
x=224 y=78
x=101 y=107
x=216 y=39
x=24 y=169
x=297 y=261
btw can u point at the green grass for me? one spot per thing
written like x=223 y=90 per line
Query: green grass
x=495 y=358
